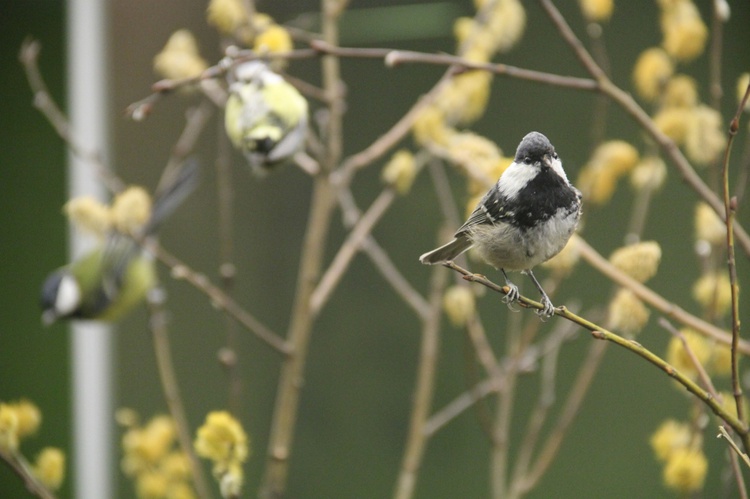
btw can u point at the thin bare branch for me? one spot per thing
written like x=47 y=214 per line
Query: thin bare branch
x=349 y=249
x=43 y=101
x=732 y=444
x=669 y=309
x=425 y=385
x=545 y=400
x=380 y=258
x=730 y=210
x=460 y=404
x=630 y=106
x=601 y=333
x=702 y=374
x=160 y=336
x=552 y=444
x=285 y=412
x=219 y=299
x=18 y=464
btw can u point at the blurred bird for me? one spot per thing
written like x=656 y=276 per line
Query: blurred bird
x=109 y=281
x=525 y=219
x=265 y=116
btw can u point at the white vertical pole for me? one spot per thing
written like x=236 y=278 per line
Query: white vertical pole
x=91 y=343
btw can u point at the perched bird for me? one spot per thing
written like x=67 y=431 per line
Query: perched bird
x=265 y=116
x=110 y=280
x=525 y=219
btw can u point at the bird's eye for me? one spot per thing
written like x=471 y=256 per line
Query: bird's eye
x=554 y=155
x=527 y=160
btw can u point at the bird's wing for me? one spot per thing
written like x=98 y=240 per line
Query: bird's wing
x=119 y=251
x=492 y=209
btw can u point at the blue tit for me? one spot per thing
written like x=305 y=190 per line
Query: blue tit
x=265 y=116
x=109 y=281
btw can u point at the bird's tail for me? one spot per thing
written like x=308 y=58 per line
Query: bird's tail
x=446 y=252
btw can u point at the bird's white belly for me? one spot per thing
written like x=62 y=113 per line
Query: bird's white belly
x=505 y=247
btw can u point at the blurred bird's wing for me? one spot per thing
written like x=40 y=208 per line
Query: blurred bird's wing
x=175 y=185
x=290 y=143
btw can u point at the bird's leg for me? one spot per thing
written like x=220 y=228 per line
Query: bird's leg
x=548 y=309
x=513 y=293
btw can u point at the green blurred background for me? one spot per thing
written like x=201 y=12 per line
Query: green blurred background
x=361 y=369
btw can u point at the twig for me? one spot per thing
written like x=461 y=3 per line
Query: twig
x=349 y=249
x=425 y=385
x=390 y=138
x=715 y=56
x=551 y=446
x=732 y=444
x=160 y=336
x=219 y=299
x=227 y=268
x=702 y=374
x=18 y=464
x=484 y=388
x=730 y=207
x=274 y=480
x=398 y=57
x=380 y=258
x=500 y=432
x=394 y=277
x=601 y=333
x=43 y=101
x=142 y=108
x=626 y=101
x=460 y=404
x=593 y=258
x=482 y=348
x=292 y=371
x=601 y=106
x=545 y=400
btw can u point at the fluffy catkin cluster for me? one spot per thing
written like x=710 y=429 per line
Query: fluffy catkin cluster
x=180 y=57
x=400 y=171
x=627 y=313
x=496 y=28
x=596 y=11
x=609 y=162
x=152 y=459
x=712 y=290
x=679 y=448
x=678 y=111
x=459 y=304
x=22 y=419
x=128 y=213
x=257 y=31
x=222 y=440
x=18 y=420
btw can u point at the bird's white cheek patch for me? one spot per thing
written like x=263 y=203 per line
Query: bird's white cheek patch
x=68 y=295
x=515 y=178
x=558 y=168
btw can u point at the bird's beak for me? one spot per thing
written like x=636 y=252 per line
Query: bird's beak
x=547 y=161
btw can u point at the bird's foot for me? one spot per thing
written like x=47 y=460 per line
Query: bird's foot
x=512 y=296
x=548 y=309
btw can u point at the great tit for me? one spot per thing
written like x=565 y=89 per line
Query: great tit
x=525 y=219
x=109 y=281
x=265 y=116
